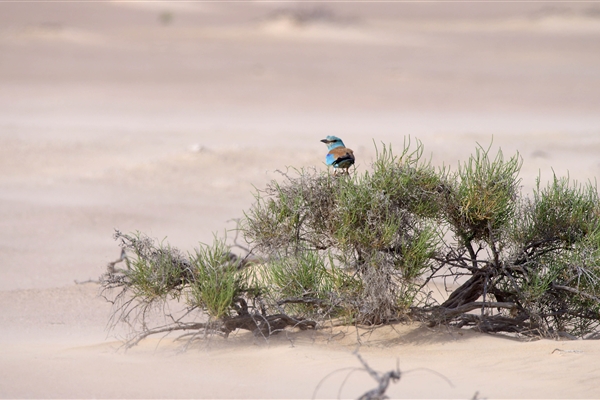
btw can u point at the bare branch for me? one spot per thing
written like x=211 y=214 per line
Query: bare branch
x=383 y=380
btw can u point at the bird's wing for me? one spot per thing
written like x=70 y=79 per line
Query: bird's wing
x=340 y=155
x=329 y=159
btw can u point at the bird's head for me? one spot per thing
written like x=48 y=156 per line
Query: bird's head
x=332 y=142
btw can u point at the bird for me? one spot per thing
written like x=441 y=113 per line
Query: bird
x=339 y=155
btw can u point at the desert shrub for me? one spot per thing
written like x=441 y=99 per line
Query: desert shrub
x=377 y=227
x=363 y=249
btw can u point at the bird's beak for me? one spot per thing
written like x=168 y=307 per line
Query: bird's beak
x=324 y=140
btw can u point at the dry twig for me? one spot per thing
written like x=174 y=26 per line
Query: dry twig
x=383 y=380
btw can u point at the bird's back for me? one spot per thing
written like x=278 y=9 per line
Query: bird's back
x=340 y=157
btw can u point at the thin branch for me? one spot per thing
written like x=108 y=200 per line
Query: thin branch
x=578 y=292
x=110 y=268
x=383 y=380
x=302 y=300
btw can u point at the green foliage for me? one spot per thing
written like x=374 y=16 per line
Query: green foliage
x=409 y=182
x=583 y=269
x=210 y=280
x=217 y=281
x=483 y=196
x=288 y=217
x=364 y=219
x=419 y=252
x=559 y=212
x=302 y=275
x=310 y=283
x=157 y=270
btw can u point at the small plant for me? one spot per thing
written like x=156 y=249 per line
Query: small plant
x=217 y=282
x=221 y=297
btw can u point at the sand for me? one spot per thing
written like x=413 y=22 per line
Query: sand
x=163 y=117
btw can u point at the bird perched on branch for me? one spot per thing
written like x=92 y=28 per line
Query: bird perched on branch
x=339 y=155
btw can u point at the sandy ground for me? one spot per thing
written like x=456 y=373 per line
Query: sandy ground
x=162 y=117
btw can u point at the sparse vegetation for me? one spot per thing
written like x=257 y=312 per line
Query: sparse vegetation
x=367 y=248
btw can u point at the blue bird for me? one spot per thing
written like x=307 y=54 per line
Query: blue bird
x=339 y=155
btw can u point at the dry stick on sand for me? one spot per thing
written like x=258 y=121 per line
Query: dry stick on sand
x=374 y=394
x=384 y=381
x=110 y=267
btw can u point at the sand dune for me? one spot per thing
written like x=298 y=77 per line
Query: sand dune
x=163 y=117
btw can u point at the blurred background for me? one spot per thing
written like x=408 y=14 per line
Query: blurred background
x=162 y=117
